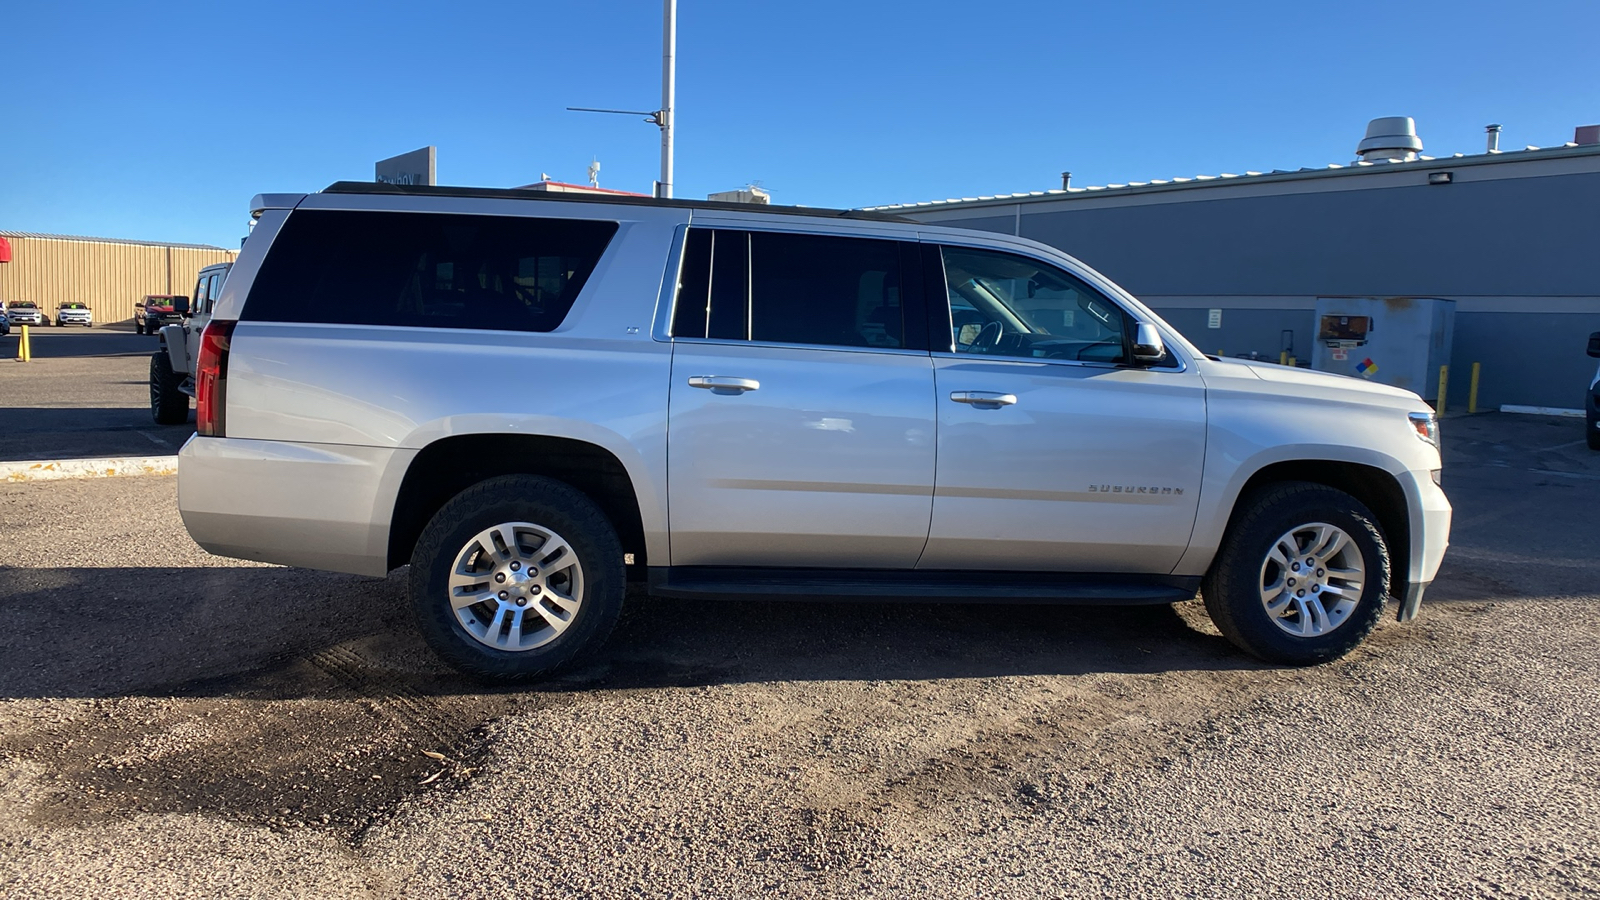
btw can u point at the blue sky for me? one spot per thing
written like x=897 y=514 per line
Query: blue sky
x=159 y=121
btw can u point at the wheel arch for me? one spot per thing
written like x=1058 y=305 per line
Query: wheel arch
x=451 y=464
x=1374 y=486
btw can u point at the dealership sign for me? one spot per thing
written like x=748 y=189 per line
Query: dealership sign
x=416 y=167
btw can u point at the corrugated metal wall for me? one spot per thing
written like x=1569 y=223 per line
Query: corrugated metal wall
x=109 y=276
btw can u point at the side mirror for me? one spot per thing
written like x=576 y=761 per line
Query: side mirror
x=1594 y=344
x=1147 y=345
x=180 y=305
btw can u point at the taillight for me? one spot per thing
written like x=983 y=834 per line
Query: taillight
x=211 y=379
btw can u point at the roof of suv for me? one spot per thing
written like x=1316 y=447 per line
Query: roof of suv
x=418 y=190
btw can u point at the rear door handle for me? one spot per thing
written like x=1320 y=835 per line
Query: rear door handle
x=724 y=384
x=984 y=399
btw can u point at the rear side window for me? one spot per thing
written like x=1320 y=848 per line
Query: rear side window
x=426 y=270
x=790 y=289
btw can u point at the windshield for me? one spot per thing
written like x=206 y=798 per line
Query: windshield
x=23 y=304
x=73 y=306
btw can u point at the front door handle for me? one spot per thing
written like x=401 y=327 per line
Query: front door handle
x=724 y=384
x=984 y=399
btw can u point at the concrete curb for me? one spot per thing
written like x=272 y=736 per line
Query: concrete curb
x=1542 y=411
x=113 y=467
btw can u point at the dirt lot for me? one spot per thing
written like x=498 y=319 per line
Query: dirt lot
x=172 y=724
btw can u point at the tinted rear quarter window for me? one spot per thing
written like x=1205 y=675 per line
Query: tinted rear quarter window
x=426 y=270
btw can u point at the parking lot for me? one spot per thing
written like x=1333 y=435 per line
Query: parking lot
x=86 y=394
x=175 y=724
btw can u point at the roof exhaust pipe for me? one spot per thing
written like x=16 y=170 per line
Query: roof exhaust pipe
x=1391 y=137
x=1066 y=180
x=1494 y=138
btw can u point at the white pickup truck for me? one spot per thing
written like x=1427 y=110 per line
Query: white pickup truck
x=534 y=399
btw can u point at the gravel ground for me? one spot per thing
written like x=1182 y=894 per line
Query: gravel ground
x=172 y=724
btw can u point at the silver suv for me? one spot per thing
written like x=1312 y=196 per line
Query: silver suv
x=536 y=399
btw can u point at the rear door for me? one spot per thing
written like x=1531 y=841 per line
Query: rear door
x=801 y=424
x=1055 y=452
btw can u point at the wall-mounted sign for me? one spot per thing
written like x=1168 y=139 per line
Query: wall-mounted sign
x=416 y=167
x=1214 y=318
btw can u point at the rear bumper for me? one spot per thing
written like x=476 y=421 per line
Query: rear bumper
x=321 y=506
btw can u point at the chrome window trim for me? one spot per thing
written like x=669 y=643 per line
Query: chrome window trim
x=898 y=351
x=1182 y=365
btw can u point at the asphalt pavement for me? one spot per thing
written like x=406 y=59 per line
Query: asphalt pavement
x=85 y=394
x=177 y=725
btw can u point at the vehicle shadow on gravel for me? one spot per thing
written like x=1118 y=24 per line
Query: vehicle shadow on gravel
x=251 y=631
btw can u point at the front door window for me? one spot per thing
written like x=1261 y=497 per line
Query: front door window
x=1012 y=306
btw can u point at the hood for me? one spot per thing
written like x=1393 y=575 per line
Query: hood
x=1314 y=385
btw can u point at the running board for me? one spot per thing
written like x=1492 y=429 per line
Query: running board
x=918 y=586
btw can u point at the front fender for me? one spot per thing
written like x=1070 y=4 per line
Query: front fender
x=176 y=343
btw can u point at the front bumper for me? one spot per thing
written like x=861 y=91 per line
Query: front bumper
x=1430 y=536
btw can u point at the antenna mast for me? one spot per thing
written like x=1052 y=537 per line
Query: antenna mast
x=669 y=77
x=662 y=117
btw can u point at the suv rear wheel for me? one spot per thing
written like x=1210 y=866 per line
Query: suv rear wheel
x=1302 y=576
x=516 y=577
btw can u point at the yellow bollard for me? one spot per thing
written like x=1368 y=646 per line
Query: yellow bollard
x=1293 y=362
x=24 y=346
x=1444 y=385
x=1283 y=357
x=1472 y=392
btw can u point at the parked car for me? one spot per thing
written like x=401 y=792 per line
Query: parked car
x=1592 y=402
x=74 y=313
x=172 y=366
x=26 y=312
x=533 y=399
x=156 y=310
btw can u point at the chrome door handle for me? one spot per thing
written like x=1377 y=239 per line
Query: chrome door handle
x=984 y=399
x=724 y=384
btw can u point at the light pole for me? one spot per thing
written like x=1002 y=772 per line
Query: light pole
x=662 y=117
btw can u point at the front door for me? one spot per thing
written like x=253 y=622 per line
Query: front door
x=1055 y=453
x=801 y=425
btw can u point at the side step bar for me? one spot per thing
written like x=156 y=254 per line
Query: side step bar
x=917 y=586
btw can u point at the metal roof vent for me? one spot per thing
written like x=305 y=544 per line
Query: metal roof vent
x=1391 y=137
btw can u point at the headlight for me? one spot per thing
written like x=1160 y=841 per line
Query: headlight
x=1427 y=427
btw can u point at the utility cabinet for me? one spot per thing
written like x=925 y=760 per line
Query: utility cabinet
x=1400 y=341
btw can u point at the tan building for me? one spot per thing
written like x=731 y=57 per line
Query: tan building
x=107 y=273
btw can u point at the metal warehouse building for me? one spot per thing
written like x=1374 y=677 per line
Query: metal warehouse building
x=1512 y=237
x=106 y=273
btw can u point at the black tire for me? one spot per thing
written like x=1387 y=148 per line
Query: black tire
x=545 y=502
x=1233 y=588
x=1593 y=433
x=168 y=405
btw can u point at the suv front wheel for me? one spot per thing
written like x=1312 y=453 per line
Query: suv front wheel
x=1302 y=576
x=516 y=577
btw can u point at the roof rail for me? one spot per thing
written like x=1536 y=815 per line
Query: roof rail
x=422 y=190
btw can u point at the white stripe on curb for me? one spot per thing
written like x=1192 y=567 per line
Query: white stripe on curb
x=56 y=469
x=1543 y=411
